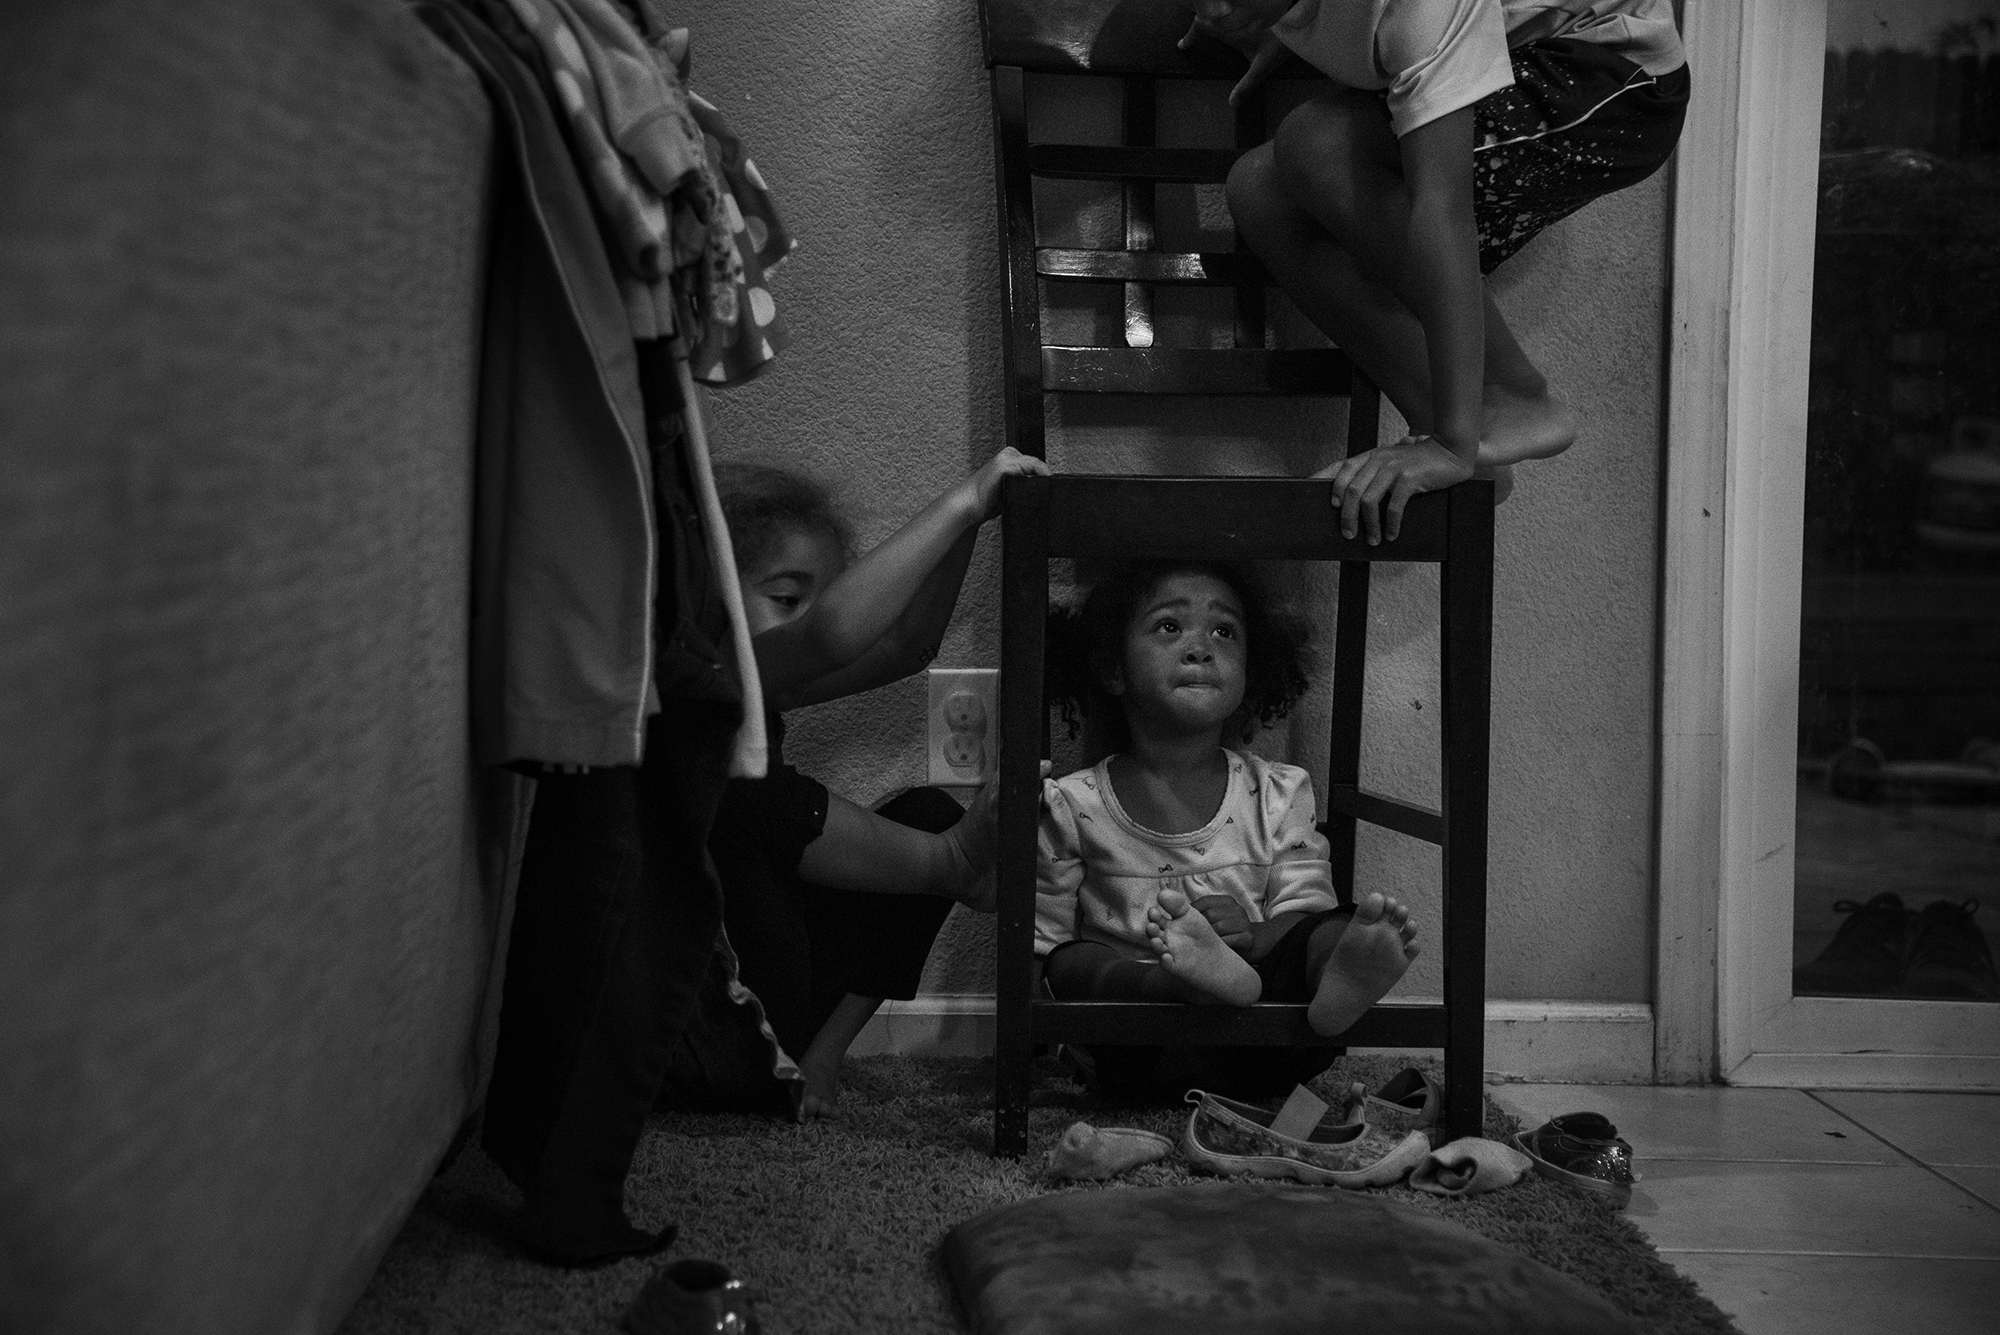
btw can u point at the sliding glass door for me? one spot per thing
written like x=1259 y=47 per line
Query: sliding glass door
x=1859 y=788
x=1897 y=889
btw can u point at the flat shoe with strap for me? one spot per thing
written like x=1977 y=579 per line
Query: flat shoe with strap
x=1232 y=1139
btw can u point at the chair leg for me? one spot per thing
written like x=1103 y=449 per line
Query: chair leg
x=1024 y=610
x=1343 y=755
x=1350 y=652
x=1013 y=1071
x=1466 y=610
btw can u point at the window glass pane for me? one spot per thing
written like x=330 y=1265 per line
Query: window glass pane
x=1899 y=705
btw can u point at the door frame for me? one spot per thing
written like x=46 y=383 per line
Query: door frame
x=1746 y=182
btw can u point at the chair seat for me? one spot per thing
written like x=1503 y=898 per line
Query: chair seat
x=1175 y=1024
x=1224 y=519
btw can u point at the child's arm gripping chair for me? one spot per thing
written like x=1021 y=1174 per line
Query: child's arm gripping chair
x=1217 y=518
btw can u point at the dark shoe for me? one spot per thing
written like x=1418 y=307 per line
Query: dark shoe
x=1949 y=956
x=1866 y=954
x=1582 y=1150
x=692 y=1298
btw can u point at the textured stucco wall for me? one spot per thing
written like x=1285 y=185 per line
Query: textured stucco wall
x=871 y=122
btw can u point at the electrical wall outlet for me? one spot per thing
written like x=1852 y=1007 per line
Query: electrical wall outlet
x=963 y=725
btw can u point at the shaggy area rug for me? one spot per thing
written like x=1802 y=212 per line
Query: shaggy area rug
x=835 y=1225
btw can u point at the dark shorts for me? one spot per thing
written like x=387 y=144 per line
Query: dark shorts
x=1578 y=123
x=802 y=947
x=1286 y=978
x=1239 y=1072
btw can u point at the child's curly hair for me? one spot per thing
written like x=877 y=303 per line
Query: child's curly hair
x=1087 y=643
x=761 y=503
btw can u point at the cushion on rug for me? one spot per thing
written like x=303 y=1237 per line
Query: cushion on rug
x=1261 y=1259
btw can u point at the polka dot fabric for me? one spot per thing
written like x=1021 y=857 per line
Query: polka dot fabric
x=692 y=226
x=1579 y=122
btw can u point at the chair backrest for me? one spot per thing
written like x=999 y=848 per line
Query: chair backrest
x=1134 y=41
x=1100 y=37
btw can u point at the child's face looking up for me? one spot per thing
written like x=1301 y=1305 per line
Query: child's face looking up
x=794 y=570
x=1184 y=660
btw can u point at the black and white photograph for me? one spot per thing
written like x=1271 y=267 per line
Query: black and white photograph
x=999 y=667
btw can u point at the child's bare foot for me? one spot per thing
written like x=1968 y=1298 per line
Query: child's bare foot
x=1370 y=956
x=822 y=1097
x=971 y=847
x=1502 y=478
x=1192 y=953
x=820 y=1064
x=1513 y=426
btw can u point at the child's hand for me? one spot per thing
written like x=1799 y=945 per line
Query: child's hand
x=1237 y=21
x=1245 y=25
x=1393 y=473
x=1228 y=919
x=985 y=483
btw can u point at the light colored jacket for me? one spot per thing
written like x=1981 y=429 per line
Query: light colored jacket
x=574 y=642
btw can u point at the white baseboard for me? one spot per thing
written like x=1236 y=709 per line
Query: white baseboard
x=1571 y=1042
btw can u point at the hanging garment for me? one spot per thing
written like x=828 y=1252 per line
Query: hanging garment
x=575 y=637
x=614 y=952
x=679 y=235
x=617 y=920
x=693 y=223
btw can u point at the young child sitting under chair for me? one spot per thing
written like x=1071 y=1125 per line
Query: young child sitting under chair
x=1178 y=869
x=831 y=907
x=1453 y=132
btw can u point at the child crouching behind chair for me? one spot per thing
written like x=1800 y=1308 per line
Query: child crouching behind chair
x=831 y=907
x=1180 y=869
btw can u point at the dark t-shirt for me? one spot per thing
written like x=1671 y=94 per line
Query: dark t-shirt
x=771 y=819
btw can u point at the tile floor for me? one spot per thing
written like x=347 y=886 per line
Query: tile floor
x=1813 y=1212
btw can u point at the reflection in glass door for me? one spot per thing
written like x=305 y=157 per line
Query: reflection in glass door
x=1898 y=852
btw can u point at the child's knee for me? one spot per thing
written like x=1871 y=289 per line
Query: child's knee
x=1072 y=969
x=932 y=810
x=1253 y=188
x=1319 y=153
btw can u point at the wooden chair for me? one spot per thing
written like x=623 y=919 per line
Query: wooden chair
x=1217 y=518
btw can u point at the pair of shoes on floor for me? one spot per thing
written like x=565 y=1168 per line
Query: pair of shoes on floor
x=1582 y=1150
x=1884 y=948
x=692 y=1297
x=1233 y=1139
x=1949 y=954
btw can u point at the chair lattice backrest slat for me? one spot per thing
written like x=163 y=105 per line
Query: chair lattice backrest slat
x=1195 y=371
x=1195 y=268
